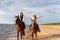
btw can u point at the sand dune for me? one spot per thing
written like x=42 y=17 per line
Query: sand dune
x=48 y=32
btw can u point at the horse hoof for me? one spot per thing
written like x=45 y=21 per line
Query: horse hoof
x=32 y=38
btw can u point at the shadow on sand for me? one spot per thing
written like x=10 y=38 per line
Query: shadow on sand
x=49 y=37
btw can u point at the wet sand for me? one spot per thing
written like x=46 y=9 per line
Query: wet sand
x=48 y=32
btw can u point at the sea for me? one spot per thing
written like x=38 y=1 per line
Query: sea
x=6 y=30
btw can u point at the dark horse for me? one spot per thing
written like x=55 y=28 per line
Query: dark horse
x=34 y=28
x=20 y=26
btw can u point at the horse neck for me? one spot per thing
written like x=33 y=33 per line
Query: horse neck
x=33 y=24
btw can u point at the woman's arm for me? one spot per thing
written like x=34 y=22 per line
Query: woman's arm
x=38 y=16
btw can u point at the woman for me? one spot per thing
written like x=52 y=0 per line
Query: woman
x=20 y=25
x=34 y=27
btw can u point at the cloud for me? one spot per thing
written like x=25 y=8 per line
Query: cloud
x=42 y=3
x=13 y=5
x=45 y=8
x=6 y=17
x=49 y=10
x=9 y=5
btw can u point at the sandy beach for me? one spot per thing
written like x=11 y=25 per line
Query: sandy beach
x=48 y=32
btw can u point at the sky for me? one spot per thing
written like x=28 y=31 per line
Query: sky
x=48 y=9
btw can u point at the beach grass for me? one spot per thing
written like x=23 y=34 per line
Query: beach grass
x=51 y=24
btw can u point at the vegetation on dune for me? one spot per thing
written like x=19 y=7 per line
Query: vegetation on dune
x=52 y=24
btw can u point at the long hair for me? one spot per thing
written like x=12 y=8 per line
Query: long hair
x=35 y=17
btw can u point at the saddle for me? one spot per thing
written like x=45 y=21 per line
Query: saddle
x=22 y=25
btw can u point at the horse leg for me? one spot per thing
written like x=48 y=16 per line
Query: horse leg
x=32 y=35
x=17 y=30
x=21 y=34
x=36 y=34
x=17 y=35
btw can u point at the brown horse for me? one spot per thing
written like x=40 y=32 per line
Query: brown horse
x=20 y=26
x=34 y=28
